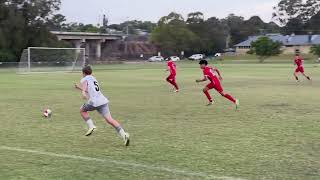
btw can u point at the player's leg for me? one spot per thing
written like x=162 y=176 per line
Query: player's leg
x=207 y=93
x=85 y=115
x=302 y=72
x=105 y=112
x=218 y=87
x=296 y=76
x=228 y=96
x=306 y=76
x=172 y=81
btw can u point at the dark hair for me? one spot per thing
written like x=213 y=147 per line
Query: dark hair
x=87 y=70
x=205 y=62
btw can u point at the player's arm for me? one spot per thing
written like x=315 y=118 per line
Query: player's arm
x=77 y=86
x=218 y=72
x=202 y=80
x=84 y=89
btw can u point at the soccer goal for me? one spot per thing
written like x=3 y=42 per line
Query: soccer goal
x=46 y=59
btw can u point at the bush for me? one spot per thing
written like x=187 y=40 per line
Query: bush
x=265 y=47
x=315 y=50
x=7 y=56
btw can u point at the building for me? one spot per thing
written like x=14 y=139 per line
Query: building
x=290 y=43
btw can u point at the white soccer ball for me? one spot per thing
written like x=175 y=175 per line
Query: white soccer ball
x=47 y=113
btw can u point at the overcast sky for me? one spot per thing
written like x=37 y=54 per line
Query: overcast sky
x=90 y=11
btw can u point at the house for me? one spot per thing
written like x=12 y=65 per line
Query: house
x=290 y=43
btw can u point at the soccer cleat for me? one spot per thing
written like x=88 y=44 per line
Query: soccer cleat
x=90 y=131
x=127 y=139
x=237 y=103
x=210 y=103
x=176 y=91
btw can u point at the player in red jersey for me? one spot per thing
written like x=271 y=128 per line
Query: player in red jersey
x=300 y=68
x=209 y=74
x=173 y=72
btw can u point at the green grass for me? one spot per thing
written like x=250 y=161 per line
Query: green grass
x=274 y=135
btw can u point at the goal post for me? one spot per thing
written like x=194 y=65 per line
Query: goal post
x=48 y=59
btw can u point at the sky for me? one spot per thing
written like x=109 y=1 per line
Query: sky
x=91 y=11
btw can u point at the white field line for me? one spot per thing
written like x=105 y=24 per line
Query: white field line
x=123 y=163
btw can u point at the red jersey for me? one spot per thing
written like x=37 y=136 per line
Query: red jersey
x=299 y=61
x=208 y=73
x=172 y=67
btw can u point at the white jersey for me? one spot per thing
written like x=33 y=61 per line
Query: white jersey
x=96 y=98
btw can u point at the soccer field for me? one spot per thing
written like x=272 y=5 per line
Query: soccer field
x=274 y=135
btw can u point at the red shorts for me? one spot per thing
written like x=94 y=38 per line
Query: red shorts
x=215 y=85
x=300 y=69
x=171 y=77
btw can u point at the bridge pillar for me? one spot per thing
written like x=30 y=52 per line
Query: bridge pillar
x=87 y=49
x=98 y=48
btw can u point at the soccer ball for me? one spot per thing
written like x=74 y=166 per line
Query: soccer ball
x=47 y=113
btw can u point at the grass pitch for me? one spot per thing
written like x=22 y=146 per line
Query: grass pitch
x=274 y=135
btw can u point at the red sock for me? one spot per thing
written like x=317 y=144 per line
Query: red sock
x=232 y=99
x=208 y=95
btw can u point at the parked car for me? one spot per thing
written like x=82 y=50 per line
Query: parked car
x=156 y=59
x=174 y=58
x=196 y=57
x=218 y=55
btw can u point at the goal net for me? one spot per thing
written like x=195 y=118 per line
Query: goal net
x=45 y=59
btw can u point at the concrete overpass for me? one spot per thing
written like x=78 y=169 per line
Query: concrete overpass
x=93 y=42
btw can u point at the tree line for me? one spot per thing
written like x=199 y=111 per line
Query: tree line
x=25 y=23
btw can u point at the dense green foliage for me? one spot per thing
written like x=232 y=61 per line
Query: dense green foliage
x=173 y=36
x=23 y=23
x=298 y=16
x=316 y=50
x=206 y=35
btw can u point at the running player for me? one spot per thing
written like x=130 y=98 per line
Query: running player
x=173 y=73
x=91 y=91
x=300 y=68
x=209 y=74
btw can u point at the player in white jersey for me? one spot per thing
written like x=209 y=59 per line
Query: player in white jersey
x=96 y=101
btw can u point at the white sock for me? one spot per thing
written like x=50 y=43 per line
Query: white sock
x=90 y=123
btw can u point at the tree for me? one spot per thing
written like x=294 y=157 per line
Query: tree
x=295 y=26
x=24 y=23
x=234 y=25
x=173 y=36
x=295 y=9
x=264 y=47
x=313 y=25
x=172 y=18
x=316 y=50
x=57 y=22
x=195 y=18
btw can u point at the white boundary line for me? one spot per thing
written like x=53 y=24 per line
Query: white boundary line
x=123 y=163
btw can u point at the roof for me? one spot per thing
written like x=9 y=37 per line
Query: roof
x=293 y=40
